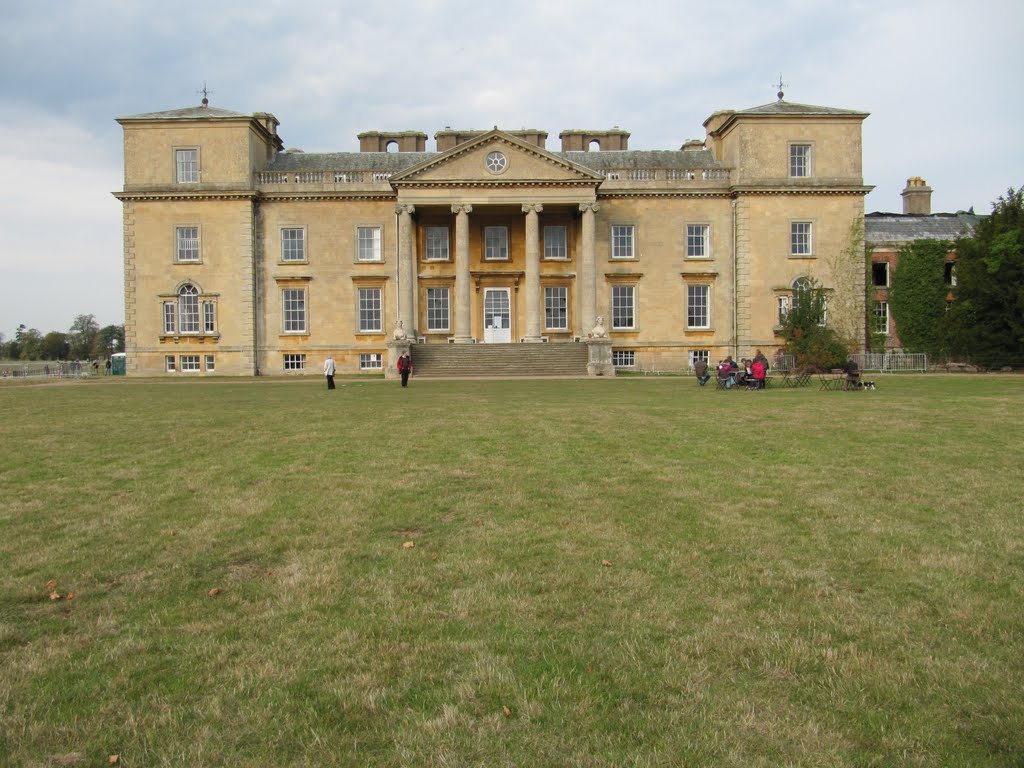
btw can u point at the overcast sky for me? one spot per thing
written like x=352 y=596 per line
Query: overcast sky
x=941 y=79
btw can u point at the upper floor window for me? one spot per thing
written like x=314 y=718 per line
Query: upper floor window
x=880 y=274
x=293 y=244
x=555 y=243
x=800 y=160
x=623 y=306
x=698 y=241
x=801 y=240
x=623 y=241
x=368 y=244
x=437 y=244
x=293 y=306
x=949 y=273
x=188 y=309
x=187 y=243
x=495 y=243
x=187 y=164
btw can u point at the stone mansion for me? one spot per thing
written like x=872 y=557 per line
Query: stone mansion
x=245 y=258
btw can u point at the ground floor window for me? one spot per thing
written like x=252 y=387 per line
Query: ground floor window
x=698 y=306
x=556 y=308
x=880 y=317
x=623 y=358
x=293 y=303
x=623 y=306
x=169 y=364
x=189 y=363
x=209 y=363
x=370 y=361
x=294 y=362
x=370 y=311
x=438 y=309
x=696 y=355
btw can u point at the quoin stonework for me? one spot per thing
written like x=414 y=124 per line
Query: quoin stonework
x=243 y=257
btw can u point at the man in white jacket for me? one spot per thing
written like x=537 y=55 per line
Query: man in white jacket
x=329 y=369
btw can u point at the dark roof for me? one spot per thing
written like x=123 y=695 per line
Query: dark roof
x=781 y=107
x=905 y=228
x=187 y=113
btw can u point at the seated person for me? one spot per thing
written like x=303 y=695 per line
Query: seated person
x=700 y=368
x=852 y=374
x=726 y=373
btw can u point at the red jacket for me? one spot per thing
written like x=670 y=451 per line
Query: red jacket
x=404 y=363
x=757 y=368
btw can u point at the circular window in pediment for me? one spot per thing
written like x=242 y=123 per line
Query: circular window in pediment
x=496 y=162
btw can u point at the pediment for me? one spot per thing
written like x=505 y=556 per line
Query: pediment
x=496 y=158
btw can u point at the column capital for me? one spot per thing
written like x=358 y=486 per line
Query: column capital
x=405 y=208
x=595 y=207
x=532 y=207
x=462 y=208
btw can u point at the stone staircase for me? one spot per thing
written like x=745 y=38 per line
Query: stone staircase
x=499 y=360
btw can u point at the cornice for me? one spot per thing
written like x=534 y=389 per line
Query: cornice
x=756 y=190
x=140 y=196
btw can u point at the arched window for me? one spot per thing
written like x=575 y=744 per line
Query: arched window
x=188 y=309
x=594 y=146
x=392 y=146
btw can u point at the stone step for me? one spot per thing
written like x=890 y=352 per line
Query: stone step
x=500 y=360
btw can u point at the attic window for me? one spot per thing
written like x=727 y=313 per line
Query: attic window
x=496 y=162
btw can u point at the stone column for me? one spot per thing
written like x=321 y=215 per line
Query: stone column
x=462 y=287
x=588 y=271
x=532 y=271
x=406 y=270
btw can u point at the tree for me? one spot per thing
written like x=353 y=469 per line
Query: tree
x=917 y=296
x=54 y=346
x=109 y=339
x=811 y=342
x=82 y=336
x=30 y=343
x=987 y=319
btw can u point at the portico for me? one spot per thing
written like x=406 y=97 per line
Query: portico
x=501 y=233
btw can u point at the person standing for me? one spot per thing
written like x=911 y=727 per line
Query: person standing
x=329 y=369
x=405 y=368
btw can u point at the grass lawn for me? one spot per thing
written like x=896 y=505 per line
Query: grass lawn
x=627 y=572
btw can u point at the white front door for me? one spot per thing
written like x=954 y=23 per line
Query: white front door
x=497 y=316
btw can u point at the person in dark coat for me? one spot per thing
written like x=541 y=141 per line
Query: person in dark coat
x=405 y=368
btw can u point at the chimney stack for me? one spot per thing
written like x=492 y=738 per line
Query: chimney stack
x=917 y=197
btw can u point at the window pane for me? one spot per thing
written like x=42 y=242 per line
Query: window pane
x=800 y=160
x=496 y=243
x=370 y=316
x=208 y=326
x=187 y=161
x=371 y=361
x=881 y=317
x=295 y=362
x=622 y=241
x=293 y=300
x=800 y=238
x=437 y=309
x=293 y=245
x=555 y=243
x=169 y=313
x=188 y=309
x=556 y=308
x=188 y=243
x=368 y=244
x=437 y=243
x=697 y=246
x=622 y=306
x=697 y=309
